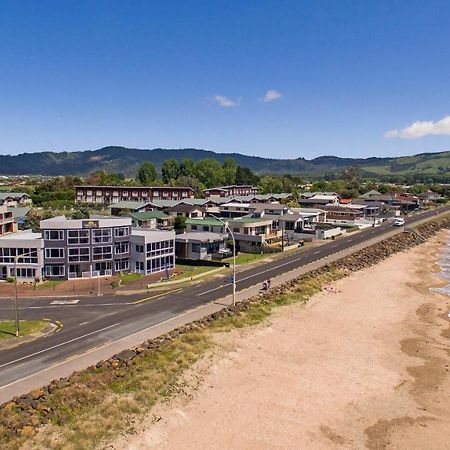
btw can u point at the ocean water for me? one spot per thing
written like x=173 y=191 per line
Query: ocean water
x=444 y=264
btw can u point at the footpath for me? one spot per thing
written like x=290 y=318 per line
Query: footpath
x=91 y=357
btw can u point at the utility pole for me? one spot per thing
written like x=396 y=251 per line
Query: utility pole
x=16 y=296
x=16 y=288
x=234 y=254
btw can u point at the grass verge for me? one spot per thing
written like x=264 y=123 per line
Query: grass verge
x=100 y=403
x=49 y=284
x=8 y=328
x=190 y=271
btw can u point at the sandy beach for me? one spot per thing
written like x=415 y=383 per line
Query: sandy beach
x=365 y=365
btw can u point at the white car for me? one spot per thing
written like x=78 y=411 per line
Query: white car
x=399 y=222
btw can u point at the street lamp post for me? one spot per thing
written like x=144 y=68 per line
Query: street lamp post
x=16 y=289
x=234 y=255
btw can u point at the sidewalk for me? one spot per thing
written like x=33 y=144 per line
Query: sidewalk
x=79 y=362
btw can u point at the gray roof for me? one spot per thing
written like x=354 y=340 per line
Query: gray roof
x=19 y=212
x=130 y=205
x=14 y=195
x=160 y=203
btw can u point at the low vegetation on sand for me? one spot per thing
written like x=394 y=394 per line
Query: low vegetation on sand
x=101 y=402
x=94 y=405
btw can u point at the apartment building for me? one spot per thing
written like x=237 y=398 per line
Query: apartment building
x=28 y=247
x=7 y=224
x=152 y=250
x=85 y=248
x=116 y=194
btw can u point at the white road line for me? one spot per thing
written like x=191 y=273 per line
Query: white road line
x=316 y=253
x=56 y=346
x=104 y=345
x=89 y=305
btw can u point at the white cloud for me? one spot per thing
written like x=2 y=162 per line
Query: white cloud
x=420 y=129
x=225 y=102
x=270 y=96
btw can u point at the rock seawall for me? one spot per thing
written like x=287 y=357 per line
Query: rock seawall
x=23 y=415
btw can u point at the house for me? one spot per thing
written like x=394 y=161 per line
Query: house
x=85 y=248
x=372 y=193
x=19 y=213
x=429 y=197
x=344 y=213
x=229 y=191
x=115 y=194
x=30 y=266
x=184 y=210
x=205 y=224
x=403 y=200
x=14 y=199
x=262 y=209
x=151 y=219
x=125 y=207
x=252 y=234
x=318 y=199
x=201 y=245
x=235 y=209
x=6 y=221
x=152 y=251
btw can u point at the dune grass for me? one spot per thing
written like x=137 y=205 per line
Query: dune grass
x=101 y=403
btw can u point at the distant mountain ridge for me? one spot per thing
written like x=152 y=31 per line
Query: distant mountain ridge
x=127 y=160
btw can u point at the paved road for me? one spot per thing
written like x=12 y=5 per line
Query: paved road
x=92 y=322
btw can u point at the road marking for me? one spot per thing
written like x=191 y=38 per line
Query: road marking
x=189 y=311
x=64 y=302
x=146 y=299
x=316 y=253
x=84 y=323
x=57 y=345
x=71 y=357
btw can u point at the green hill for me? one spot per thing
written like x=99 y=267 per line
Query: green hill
x=127 y=160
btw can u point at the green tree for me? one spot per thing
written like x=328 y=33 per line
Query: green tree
x=170 y=170
x=209 y=172
x=245 y=176
x=180 y=223
x=270 y=185
x=187 y=168
x=192 y=182
x=147 y=173
x=229 y=168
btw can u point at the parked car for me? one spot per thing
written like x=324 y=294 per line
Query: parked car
x=399 y=222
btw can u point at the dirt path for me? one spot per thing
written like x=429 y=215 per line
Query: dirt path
x=365 y=367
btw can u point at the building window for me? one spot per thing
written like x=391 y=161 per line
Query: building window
x=54 y=253
x=101 y=236
x=122 y=248
x=194 y=227
x=54 y=271
x=123 y=264
x=100 y=253
x=53 y=235
x=80 y=254
x=121 y=231
x=77 y=237
x=196 y=248
x=139 y=248
x=7 y=255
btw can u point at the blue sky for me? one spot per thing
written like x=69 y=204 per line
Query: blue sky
x=269 y=78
